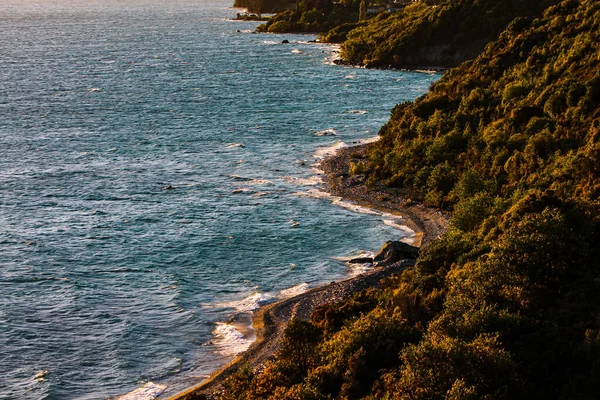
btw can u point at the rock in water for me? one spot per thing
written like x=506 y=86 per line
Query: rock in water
x=285 y=41
x=394 y=251
x=361 y=260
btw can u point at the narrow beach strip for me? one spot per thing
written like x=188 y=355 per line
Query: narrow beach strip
x=270 y=321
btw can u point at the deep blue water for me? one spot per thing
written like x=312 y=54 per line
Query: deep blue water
x=107 y=280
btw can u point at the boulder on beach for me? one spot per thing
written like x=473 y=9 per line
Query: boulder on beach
x=393 y=251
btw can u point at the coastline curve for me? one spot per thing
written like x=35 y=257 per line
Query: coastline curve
x=269 y=321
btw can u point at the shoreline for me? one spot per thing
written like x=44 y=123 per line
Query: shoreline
x=269 y=321
x=428 y=224
x=426 y=69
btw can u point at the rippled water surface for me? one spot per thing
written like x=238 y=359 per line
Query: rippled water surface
x=155 y=177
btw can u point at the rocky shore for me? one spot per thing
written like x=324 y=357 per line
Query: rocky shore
x=270 y=321
x=428 y=224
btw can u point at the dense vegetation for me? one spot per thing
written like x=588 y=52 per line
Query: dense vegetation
x=315 y=16
x=265 y=6
x=507 y=303
x=441 y=33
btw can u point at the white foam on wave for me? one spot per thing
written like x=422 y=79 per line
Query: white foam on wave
x=358 y=111
x=311 y=181
x=357 y=269
x=233 y=145
x=293 y=291
x=355 y=207
x=339 y=201
x=241 y=190
x=250 y=303
x=396 y=223
x=355 y=254
x=251 y=181
x=314 y=193
x=328 y=151
x=334 y=50
x=229 y=341
x=239 y=178
x=260 y=182
x=426 y=71
x=149 y=391
x=388 y=219
x=370 y=140
x=326 y=132
x=297 y=51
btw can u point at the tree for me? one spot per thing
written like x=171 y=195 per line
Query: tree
x=362 y=13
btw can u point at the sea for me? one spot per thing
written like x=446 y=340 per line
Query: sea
x=159 y=178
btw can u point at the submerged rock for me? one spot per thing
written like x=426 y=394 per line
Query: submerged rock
x=285 y=41
x=394 y=251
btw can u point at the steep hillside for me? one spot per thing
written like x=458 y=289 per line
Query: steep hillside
x=314 y=16
x=506 y=304
x=265 y=6
x=442 y=33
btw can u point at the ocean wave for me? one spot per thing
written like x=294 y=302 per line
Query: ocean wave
x=250 y=303
x=358 y=112
x=357 y=269
x=388 y=219
x=326 y=132
x=369 y=140
x=229 y=341
x=333 y=55
x=328 y=151
x=260 y=182
x=311 y=181
x=251 y=181
x=355 y=254
x=314 y=193
x=293 y=291
x=149 y=391
x=33 y=279
x=338 y=201
x=297 y=51
x=409 y=235
x=241 y=190
x=234 y=145
x=426 y=71
x=240 y=178
x=397 y=224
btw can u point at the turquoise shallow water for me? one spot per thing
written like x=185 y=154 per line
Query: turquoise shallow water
x=107 y=280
